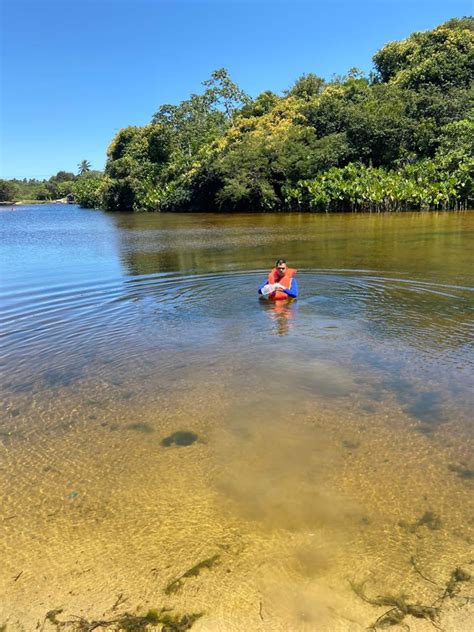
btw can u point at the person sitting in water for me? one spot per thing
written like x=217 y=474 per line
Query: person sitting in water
x=281 y=283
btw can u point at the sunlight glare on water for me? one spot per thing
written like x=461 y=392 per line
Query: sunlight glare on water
x=319 y=442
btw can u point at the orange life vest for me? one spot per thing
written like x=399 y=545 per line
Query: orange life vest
x=285 y=280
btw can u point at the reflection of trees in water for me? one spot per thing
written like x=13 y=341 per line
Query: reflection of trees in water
x=142 y=263
x=425 y=246
x=152 y=243
x=147 y=247
x=402 y=318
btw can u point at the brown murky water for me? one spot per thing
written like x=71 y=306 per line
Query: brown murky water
x=328 y=442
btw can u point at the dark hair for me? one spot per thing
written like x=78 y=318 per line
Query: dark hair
x=279 y=261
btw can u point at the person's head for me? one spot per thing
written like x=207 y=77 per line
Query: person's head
x=281 y=267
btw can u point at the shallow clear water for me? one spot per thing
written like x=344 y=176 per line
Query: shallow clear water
x=326 y=428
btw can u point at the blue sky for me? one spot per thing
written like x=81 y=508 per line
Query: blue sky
x=76 y=71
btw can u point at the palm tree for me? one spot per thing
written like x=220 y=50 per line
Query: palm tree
x=84 y=166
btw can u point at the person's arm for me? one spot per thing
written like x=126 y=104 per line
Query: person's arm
x=292 y=291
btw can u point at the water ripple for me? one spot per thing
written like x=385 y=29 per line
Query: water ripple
x=133 y=311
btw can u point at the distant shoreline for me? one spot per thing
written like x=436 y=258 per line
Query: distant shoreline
x=248 y=212
x=29 y=202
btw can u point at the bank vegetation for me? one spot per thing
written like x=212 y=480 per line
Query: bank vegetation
x=399 y=139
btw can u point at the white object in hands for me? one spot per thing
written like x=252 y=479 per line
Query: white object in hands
x=268 y=289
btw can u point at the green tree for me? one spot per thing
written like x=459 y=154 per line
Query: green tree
x=136 y=158
x=43 y=192
x=64 y=176
x=88 y=190
x=8 y=191
x=246 y=174
x=390 y=141
x=441 y=57
x=223 y=93
x=263 y=104
x=307 y=87
x=83 y=167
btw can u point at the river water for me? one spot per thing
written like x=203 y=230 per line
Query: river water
x=322 y=444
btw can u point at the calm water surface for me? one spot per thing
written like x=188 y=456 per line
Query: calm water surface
x=329 y=440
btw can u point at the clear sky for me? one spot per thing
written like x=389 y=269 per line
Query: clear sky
x=76 y=71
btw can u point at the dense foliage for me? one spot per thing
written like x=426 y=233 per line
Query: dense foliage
x=402 y=138
x=61 y=186
x=8 y=190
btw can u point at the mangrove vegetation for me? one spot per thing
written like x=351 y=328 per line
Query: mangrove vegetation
x=401 y=138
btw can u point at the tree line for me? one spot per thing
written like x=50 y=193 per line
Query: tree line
x=401 y=138
x=59 y=186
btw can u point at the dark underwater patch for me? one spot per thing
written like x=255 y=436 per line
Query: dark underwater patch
x=54 y=377
x=140 y=426
x=462 y=471
x=429 y=519
x=426 y=407
x=179 y=438
x=350 y=445
x=195 y=571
